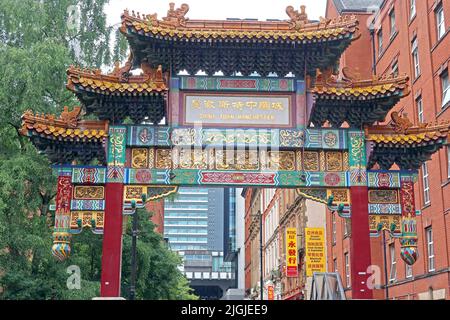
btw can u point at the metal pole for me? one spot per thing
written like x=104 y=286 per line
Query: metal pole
x=261 y=251
x=133 y=257
x=385 y=266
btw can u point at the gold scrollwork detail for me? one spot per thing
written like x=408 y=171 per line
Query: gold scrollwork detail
x=277 y=160
x=237 y=160
x=139 y=158
x=339 y=195
x=89 y=192
x=334 y=161
x=134 y=192
x=86 y=218
x=383 y=196
x=311 y=161
x=191 y=158
x=164 y=159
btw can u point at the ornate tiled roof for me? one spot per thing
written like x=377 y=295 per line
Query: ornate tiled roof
x=404 y=144
x=348 y=98
x=66 y=127
x=119 y=82
x=66 y=139
x=298 y=28
x=350 y=86
x=408 y=137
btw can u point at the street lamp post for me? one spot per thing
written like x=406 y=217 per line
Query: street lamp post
x=382 y=229
x=134 y=234
x=133 y=253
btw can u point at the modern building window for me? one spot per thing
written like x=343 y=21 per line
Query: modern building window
x=440 y=21
x=419 y=104
x=430 y=249
x=393 y=275
x=380 y=41
x=395 y=71
x=426 y=184
x=347 y=270
x=445 y=89
x=415 y=57
x=393 y=22
x=333 y=227
x=345 y=227
x=408 y=271
x=412 y=9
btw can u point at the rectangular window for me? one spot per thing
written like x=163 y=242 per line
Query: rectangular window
x=445 y=89
x=347 y=270
x=335 y=265
x=380 y=42
x=345 y=227
x=395 y=71
x=415 y=57
x=426 y=184
x=333 y=227
x=440 y=22
x=393 y=275
x=419 y=103
x=408 y=271
x=392 y=22
x=412 y=9
x=430 y=249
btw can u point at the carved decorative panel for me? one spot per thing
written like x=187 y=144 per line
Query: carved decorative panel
x=164 y=159
x=139 y=158
x=311 y=161
x=89 y=192
x=383 y=196
x=334 y=161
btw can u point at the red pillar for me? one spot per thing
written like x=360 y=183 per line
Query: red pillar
x=360 y=244
x=112 y=241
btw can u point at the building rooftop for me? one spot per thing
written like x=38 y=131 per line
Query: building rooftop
x=356 y=5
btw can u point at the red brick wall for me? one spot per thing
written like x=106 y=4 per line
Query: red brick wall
x=434 y=55
x=157 y=207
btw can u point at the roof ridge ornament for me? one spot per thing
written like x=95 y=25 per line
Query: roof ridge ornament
x=177 y=17
x=123 y=73
x=298 y=19
x=400 y=122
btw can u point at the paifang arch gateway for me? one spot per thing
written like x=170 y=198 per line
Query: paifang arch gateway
x=315 y=131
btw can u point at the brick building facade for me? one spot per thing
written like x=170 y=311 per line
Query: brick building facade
x=412 y=37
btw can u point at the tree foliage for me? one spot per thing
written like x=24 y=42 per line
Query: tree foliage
x=39 y=40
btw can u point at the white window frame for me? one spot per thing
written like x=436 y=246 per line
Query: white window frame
x=412 y=9
x=426 y=184
x=445 y=81
x=415 y=57
x=380 y=41
x=395 y=70
x=393 y=272
x=440 y=22
x=393 y=22
x=430 y=250
x=335 y=265
x=419 y=104
x=408 y=271
x=347 y=270
x=333 y=228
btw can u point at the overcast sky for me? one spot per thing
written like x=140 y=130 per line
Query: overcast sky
x=218 y=9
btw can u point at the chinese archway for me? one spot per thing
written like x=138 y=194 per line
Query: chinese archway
x=307 y=128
